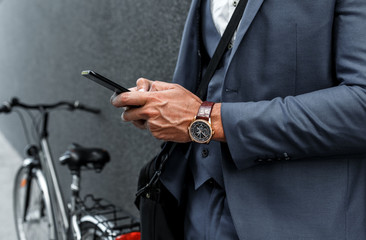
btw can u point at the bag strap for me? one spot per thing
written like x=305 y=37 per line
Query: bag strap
x=221 y=48
x=215 y=60
x=202 y=88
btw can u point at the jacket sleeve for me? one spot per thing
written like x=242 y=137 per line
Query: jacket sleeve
x=323 y=123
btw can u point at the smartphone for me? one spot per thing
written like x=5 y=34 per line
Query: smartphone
x=105 y=82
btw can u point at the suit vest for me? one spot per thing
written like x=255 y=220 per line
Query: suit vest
x=205 y=159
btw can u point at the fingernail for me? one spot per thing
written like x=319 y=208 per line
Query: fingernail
x=123 y=119
x=141 y=90
x=113 y=98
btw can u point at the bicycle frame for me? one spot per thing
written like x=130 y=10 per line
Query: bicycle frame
x=57 y=203
x=61 y=216
x=48 y=168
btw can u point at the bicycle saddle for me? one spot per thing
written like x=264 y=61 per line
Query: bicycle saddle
x=77 y=156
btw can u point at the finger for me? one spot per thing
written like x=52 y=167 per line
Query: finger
x=113 y=97
x=133 y=89
x=133 y=114
x=141 y=124
x=143 y=84
x=130 y=99
x=160 y=86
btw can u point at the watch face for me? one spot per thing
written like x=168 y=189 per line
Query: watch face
x=200 y=131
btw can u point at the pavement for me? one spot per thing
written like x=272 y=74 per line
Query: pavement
x=10 y=160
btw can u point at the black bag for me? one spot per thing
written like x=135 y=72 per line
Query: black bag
x=161 y=217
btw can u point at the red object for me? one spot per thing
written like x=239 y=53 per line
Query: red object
x=130 y=236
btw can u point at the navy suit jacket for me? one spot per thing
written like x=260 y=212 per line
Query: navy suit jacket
x=294 y=116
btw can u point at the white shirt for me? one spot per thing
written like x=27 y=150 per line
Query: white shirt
x=221 y=11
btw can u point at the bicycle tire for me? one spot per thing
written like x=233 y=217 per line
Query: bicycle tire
x=91 y=230
x=38 y=223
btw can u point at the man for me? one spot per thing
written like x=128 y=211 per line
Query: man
x=286 y=159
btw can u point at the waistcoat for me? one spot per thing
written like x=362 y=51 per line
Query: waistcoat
x=205 y=159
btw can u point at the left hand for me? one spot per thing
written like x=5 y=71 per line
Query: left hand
x=166 y=109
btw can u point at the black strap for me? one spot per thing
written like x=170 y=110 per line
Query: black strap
x=214 y=62
x=221 y=48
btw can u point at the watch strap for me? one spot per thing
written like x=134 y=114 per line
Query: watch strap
x=204 y=112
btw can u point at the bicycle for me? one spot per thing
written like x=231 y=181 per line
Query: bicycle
x=39 y=209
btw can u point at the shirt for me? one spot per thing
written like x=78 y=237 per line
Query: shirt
x=221 y=13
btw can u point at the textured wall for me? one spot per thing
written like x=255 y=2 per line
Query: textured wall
x=44 y=45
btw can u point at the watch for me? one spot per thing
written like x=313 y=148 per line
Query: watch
x=200 y=129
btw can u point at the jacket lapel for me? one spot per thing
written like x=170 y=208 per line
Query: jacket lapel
x=250 y=12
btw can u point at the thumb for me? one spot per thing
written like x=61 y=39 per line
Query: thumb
x=143 y=85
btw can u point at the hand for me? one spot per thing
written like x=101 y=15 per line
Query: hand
x=166 y=109
x=142 y=85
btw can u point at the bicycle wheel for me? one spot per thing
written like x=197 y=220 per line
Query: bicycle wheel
x=33 y=218
x=90 y=231
x=95 y=228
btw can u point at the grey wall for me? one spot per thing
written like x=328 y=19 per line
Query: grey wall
x=44 y=45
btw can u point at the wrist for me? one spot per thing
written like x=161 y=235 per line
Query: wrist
x=216 y=123
x=207 y=124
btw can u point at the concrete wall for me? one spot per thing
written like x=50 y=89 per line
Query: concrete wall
x=45 y=44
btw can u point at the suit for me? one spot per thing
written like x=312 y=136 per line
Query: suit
x=294 y=117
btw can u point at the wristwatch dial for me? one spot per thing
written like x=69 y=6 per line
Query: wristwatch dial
x=200 y=131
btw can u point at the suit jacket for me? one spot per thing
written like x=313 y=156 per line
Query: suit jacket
x=294 y=116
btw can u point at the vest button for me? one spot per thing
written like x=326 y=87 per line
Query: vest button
x=286 y=156
x=205 y=153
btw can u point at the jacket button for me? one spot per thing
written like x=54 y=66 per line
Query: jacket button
x=259 y=160
x=205 y=153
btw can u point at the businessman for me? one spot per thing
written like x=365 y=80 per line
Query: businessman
x=277 y=149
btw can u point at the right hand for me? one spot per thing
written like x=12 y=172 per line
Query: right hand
x=142 y=85
x=166 y=109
